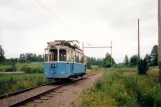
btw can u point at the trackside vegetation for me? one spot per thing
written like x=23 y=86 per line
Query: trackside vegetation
x=14 y=82
x=26 y=67
x=117 y=89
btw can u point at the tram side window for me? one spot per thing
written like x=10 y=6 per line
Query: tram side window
x=82 y=59
x=62 y=55
x=46 y=57
x=54 y=55
x=79 y=58
x=76 y=57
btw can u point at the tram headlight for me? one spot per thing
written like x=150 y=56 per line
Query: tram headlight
x=52 y=71
x=52 y=65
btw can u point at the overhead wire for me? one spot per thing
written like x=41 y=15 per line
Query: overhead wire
x=43 y=6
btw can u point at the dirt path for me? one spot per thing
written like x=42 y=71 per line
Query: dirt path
x=129 y=73
x=66 y=95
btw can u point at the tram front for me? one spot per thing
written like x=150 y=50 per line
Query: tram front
x=55 y=63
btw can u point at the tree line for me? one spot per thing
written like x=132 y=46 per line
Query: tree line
x=25 y=57
x=2 y=58
x=152 y=58
x=30 y=57
x=100 y=62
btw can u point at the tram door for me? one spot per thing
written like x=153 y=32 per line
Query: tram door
x=72 y=62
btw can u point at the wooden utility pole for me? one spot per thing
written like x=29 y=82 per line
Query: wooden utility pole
x=159 y=36
x=138 y=41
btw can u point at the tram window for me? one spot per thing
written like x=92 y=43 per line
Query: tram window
x=46 y=58
x=62 y=55
x=76 y=57
x=82 y=59
x=54 y=55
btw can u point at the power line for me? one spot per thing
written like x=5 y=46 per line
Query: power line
x=98 y=47
x=43 y=6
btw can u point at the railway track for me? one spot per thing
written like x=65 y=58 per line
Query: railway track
x=24 y=90
x=40 y=92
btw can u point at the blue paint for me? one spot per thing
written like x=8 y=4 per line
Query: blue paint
x=63 y=69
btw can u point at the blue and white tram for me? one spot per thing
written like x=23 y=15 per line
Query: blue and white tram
x=63 y=60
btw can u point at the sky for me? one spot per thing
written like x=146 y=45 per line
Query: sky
x=27 y=25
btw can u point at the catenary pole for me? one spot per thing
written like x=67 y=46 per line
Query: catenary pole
x=159 y=36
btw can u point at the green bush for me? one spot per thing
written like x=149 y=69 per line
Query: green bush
x=14 y=82
x=38 y=70
x=117 y=66
x=27 y=69
x=6 y=63
x=107 y=64
x=89 y=65
x=132 y=91
x=10 y=69
x=142 y=66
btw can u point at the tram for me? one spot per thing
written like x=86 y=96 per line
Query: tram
x=64 y=60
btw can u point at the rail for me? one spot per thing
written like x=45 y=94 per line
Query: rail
x=24 y=90
x=22 y=101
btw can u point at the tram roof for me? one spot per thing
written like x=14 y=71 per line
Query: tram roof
x=73 y=44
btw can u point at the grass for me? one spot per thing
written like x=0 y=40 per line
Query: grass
x=20 y=65
x=3 y=67
x=32 y=65
x=95 y=70
x=14 y=82
x=118 y=90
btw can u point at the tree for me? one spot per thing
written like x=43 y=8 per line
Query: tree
x=148 y=59
x=100 y=62
x=2 y=58
x=95 y=61
x=134 y=60
x=40 y=58
x=126 y=60
x=107 y=61
x=28 y=57
x=34 y=57
x=88 y=63
x=154 y=55
x=13 y=63
x=22 y=58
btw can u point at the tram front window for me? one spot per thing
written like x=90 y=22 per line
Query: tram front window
x=62 y=55
x=53 y=55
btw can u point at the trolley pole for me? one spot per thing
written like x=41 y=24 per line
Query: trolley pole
x=159 y=37
x=138 y=40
